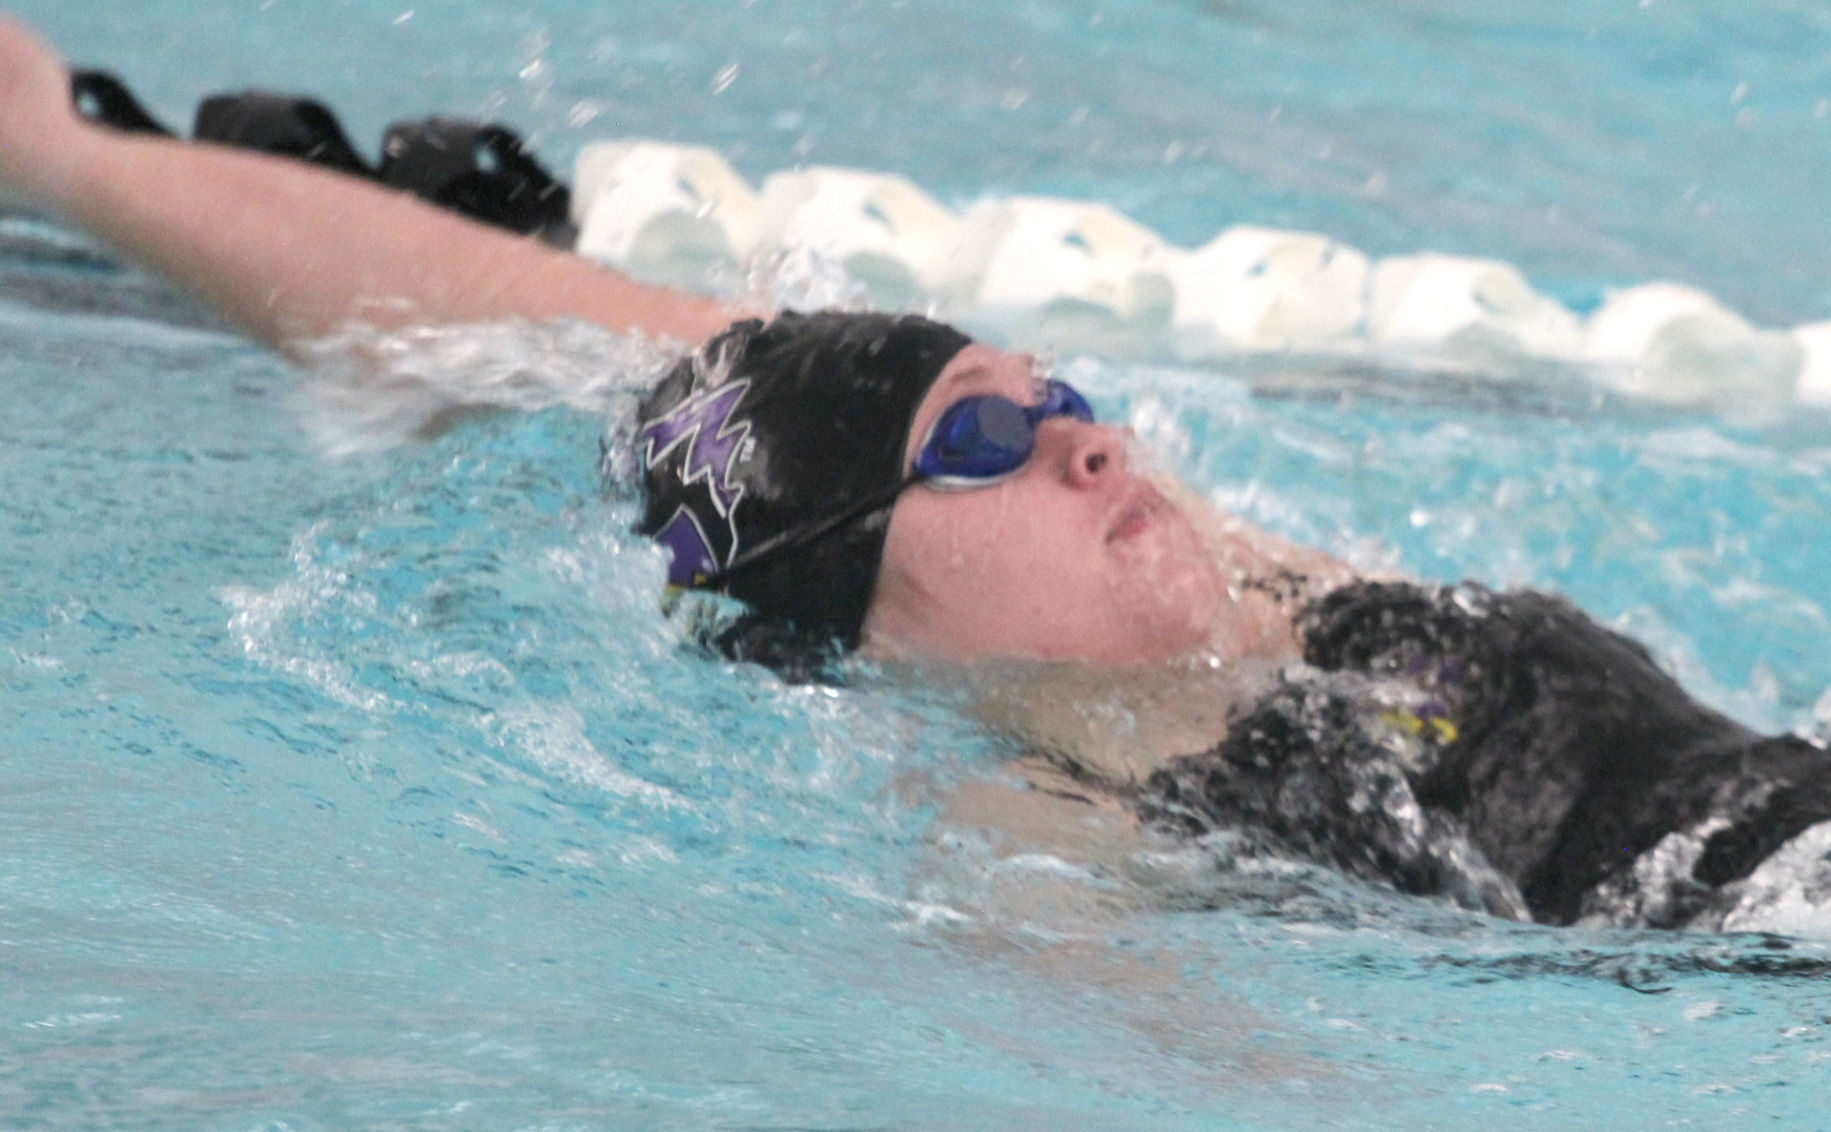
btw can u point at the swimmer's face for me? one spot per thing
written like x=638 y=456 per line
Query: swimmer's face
x=1075 y=557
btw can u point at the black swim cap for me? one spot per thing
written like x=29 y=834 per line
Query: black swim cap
x=769 y=426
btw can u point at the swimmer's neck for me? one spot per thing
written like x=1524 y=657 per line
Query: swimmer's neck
x=1108 y=727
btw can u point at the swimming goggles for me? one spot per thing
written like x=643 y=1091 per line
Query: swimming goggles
x=975 y=442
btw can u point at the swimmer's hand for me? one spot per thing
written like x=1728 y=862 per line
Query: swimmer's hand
x=42 y=138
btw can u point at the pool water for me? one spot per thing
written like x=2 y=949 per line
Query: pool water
x=372 y=789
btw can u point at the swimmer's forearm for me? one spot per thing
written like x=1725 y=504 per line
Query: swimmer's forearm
x=291 y=252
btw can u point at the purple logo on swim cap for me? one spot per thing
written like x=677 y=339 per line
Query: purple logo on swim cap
x=714 y=443
x=689 y=552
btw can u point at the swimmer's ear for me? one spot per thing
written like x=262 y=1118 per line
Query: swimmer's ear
x=104 y=99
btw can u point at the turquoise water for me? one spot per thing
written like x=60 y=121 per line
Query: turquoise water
x=374 y=791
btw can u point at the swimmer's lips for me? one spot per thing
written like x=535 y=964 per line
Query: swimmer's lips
x=1139 y=512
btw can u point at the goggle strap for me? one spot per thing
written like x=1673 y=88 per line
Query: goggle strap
x=1060 y=399
x=804 y=535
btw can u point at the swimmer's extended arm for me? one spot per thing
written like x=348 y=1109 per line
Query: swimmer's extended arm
x=288 y=251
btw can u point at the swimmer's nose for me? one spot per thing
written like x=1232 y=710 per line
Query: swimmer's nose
x=1092 y=452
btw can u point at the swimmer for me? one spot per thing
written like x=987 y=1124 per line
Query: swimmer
x=885 y=487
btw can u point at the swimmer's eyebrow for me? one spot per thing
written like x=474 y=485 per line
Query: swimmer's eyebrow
x=954 y=386
x=980 y=374
x=980 y=377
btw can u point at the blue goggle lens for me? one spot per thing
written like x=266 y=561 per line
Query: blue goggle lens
x=978 y=440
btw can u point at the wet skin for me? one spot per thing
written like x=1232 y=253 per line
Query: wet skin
x=1077 y=556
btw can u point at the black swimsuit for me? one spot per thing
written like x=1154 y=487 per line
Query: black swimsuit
x=1502 y=750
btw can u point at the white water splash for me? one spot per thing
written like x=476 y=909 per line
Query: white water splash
x=1791 y=890
x=370 y=389
x=264 y=623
